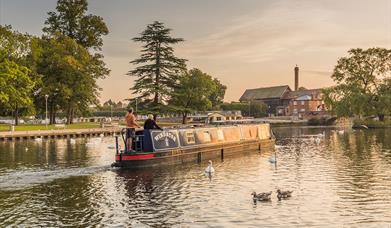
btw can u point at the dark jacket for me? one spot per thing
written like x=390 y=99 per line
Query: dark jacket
x=151 y=124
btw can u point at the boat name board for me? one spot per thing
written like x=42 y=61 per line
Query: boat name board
x=164 y=139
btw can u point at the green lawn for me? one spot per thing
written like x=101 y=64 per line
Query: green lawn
x=35 y=127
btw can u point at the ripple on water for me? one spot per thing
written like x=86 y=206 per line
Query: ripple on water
x=338 y=181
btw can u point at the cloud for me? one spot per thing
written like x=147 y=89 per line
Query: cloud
x=284 y=28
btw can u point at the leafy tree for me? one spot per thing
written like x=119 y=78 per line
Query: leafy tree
x=362 y=84
x=15 y=87
x=17 y=81
x=254 y=109
x=71 y=20
x=193 y=93
x=109 y=103
x=69 y=76
x=158 y=69
x=217 y=94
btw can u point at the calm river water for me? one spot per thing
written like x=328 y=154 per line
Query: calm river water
x=341 y=180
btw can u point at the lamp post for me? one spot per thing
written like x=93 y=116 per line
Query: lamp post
x=46 y=108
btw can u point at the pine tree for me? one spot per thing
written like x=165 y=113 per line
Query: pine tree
x=158 y=68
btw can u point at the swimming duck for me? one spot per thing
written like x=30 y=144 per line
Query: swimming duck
x=264 y=196
x=210 y=168
x=283 y=194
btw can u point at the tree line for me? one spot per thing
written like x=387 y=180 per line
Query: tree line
x=59 y=68
x=58 y=71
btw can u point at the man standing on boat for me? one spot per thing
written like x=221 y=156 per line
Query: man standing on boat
x=131 y=126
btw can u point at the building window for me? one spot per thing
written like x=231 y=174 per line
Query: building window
x=294 y=102
x=302 y=110
x=295 y=110
x=302 y=102
x=218 y=118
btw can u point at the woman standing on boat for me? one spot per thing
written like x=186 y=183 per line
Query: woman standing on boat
x=151 y=124
x=131 y=126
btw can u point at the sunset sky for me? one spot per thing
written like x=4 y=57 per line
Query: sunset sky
x=246 y=43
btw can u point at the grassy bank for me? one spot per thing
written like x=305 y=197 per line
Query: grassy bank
x=372 y=123
x=36 y=127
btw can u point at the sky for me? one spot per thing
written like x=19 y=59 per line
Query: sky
x=245 y=44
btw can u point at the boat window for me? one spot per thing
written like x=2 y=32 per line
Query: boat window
x=220 y=135
x=190 y=138
x=207 y=136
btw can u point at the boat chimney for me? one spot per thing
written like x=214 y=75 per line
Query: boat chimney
x=296 y=77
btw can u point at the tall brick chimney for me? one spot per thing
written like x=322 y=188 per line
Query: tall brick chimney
x=296 y=77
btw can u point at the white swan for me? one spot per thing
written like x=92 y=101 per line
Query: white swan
x=321 y=135
x=210 y=168
x=72 y=141
x=39 y=139
x=273 y=159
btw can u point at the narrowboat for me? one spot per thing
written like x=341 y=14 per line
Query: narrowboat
x=192 y=144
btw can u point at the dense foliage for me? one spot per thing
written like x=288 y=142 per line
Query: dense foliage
x=17 y=81
x=363 y=84
x=194 y=93
x=254 y=109
x=70 y=33
x=63 y=65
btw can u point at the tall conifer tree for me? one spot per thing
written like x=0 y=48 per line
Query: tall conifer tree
x=158 y=69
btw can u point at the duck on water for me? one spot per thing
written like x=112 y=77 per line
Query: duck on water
x=263 y=197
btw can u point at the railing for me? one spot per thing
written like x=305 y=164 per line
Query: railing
x=138 y=141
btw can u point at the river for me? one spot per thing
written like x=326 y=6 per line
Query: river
x=340 y=180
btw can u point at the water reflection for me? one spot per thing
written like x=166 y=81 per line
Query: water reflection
x=337 y=180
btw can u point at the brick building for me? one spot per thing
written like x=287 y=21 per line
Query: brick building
x=282 y=101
